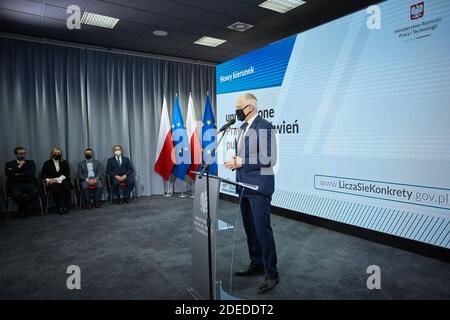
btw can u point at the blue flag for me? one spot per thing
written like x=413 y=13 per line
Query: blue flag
x=209 y=136
x=181 y=146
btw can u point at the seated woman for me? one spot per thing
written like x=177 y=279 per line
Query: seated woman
x=56 y=173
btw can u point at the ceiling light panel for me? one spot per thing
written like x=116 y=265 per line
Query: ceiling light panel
x=98 y=20
x=281 y=6
x=209 y=41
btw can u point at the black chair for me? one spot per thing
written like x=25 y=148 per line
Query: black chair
x=122 y=185
x=7 y=199
x=47 y=194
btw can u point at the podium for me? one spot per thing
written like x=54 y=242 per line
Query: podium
x=206 y=225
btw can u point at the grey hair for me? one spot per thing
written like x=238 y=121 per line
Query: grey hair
x=250 y=99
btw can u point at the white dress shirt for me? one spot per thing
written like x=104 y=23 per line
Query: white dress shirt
x=56 y=163
x=249 y=123
x=119 y=159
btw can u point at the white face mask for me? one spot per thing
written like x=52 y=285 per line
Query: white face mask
x=117 y=153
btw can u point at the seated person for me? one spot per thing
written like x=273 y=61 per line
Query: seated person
x=56 y=173
x=120 y=170
x=21 y=183
x=89 y=173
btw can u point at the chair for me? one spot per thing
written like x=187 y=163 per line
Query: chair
x=80 y=195
x=48 y=193
x=7 y=198
x=122 y=185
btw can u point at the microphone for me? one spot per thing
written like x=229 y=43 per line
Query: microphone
x=227 y=125
x=202 y=172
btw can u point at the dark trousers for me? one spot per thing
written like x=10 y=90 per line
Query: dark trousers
x=61 y=193
x=129 y=183
x=96 y=193
x=255 y=211
x=24 y=195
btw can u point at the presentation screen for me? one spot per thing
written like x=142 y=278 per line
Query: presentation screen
x=362 y=111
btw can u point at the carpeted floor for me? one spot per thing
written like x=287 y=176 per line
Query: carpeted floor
x=142 y=251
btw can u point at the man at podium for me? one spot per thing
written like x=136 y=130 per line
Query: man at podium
x=254 y=160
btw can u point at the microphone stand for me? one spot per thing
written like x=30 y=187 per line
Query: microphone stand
x=205 y=168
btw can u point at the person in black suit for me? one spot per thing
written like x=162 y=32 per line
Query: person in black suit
x=120 y=170
x=21 y=183
x=56 y=173
x=254 y=161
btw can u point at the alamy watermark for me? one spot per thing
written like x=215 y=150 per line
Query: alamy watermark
x=73 y=21
x=374 y=280
x=74 y=280
x=374 y=19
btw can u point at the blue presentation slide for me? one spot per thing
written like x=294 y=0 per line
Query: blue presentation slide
x=362 y=110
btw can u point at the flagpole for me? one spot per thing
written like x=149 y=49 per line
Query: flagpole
x=167 y=192
x=183 y=195
x=192 y=189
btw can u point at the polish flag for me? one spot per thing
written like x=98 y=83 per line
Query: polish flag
x=194 y=138
x=164 y=152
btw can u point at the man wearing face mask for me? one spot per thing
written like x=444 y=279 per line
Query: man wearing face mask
x=120 y=170
x=89 y=173
x=254 y=161
x=56 y=174
x=21 y=183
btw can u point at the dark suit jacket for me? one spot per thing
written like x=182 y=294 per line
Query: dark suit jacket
x=258 y=163
x=82 y=171
x=113 y=169
x=19 y=176
x=49 y=170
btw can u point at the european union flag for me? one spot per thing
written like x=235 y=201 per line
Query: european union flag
x=209 y=135
x=180 y=143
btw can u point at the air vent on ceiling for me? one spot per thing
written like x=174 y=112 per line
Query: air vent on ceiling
x=240 y=26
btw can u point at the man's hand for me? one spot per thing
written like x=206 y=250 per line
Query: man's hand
x=124 y=177
x=234 y=163
x=118 y=178
x=92 y=182
x=51 y=181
